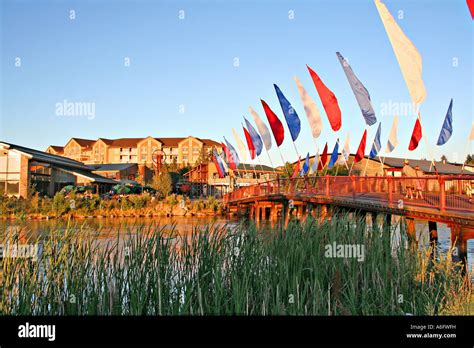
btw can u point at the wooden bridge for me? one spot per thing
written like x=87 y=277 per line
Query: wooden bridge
x=444 y=199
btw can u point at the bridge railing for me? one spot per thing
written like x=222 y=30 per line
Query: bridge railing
x=441 y=192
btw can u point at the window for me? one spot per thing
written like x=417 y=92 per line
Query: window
x=185 y=149
x=144 y=150
x=185 y=158
x=143 y=158
x=195 y=149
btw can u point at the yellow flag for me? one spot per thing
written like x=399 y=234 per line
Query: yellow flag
x=408 y=57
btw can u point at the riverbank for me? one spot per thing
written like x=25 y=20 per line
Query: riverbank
x=243 y=270
x=78 y=207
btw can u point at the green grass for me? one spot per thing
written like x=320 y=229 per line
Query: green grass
x=242 y=270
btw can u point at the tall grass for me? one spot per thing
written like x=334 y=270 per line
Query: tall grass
x=223 y=271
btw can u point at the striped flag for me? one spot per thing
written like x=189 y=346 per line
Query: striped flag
x=218 y=163
x=447 y=129
x=324 y=158
x=231 y=155
x=392 y=139
x=361 y=93
x=311 y=109
x=346 y=151
x=376 y=146
x=361 y=149
x=262 y=129
x=305 y=168
x=275 y=124
x=329 y=101
x=334 y=155
x=240 y=145
x=291 y=117
x=256 y=140
x=408 y=57
x=415 y=136
x=248 y=138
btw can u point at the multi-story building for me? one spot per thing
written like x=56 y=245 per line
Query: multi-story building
x=142 y=151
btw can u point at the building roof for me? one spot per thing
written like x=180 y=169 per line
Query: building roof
x=83 y=142
x=89 y=175
x=251 y=167
x=125 y=142
x=46 y=157
x=111 y=167
x=210 y=142
x=171 y=142
x=57 y=148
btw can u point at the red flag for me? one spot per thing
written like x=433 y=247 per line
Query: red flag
x=275 y=124
x=361 y=149
x=230 y=159
x=249 y=143
x=415 y=136
x=470 y=4
x=324 y=158
x=296 y=170
x=329 y=101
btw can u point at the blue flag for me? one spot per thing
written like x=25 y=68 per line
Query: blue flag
x=256 y=140
x=447 y=129
x=361 y=93
x=376 y=146
x=233 y=152
x=305 y=168
x=335 y=155
x=292 y=119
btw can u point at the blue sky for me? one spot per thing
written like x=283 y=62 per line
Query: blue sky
x=182 y=79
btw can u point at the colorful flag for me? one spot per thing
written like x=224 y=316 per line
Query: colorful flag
x=415 y=136
x=240 y=145
x=334 y=155
x=222 y=161
x=324 y=158
x=262 y=129
x=329 y=101
x=219 y=166
x=361 y=149
x=296 y=170
x=275 y=123
x=251 y=148
x=376 y=145
x=314 y=165
x=224 y=154
x=447 y=129
x=361 y=93
x=346 y=151
x=311 y=109
x=305 y=168
x=470 y=4
x=291 y=117
x=232 y=156
x=256 y=140
x=392 y=139
x=409 y=59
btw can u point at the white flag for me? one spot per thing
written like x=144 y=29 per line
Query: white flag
x=409 y=59
x=314 y=166
x=471 y=136
x=262 y=129
x=346 y=151
x=392 y=139
x=311 y=109
x=240 y=146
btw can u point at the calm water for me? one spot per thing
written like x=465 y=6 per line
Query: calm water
x=109 y=228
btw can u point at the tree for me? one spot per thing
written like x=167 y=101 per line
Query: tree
x=162 y=183
x=470 y=159
x=444 y=158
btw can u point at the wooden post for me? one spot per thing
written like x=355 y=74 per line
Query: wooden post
x=442 y=195
x=411 y=233
x=327 y=186
x=390 y=190
x=460 y=247
x=433 y=229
